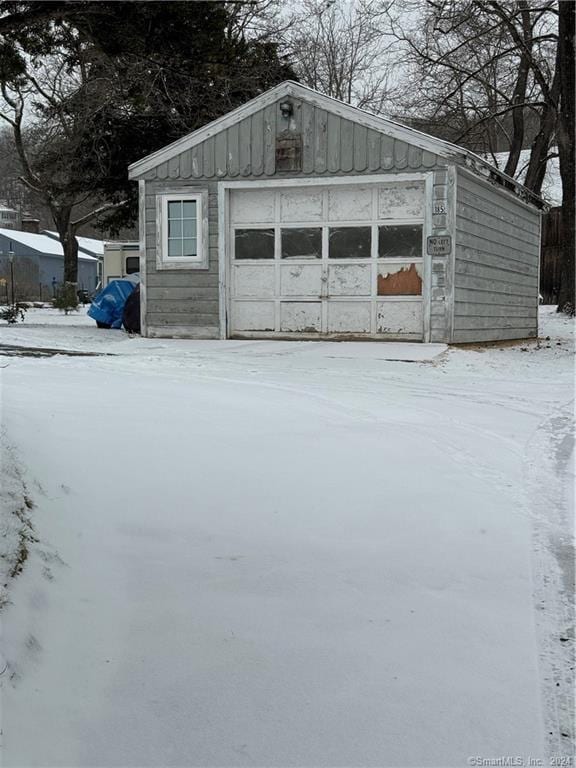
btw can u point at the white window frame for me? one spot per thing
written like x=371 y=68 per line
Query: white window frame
x=200 y=260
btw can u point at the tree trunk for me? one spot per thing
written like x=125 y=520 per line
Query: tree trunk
x=519 y=96
x=541 y=144
x=62 y=220
x=565 y=132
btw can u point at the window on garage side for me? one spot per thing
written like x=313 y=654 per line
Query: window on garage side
x=183 y=230
x=254 y=244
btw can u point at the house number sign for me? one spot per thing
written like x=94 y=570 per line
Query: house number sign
x=439 y=245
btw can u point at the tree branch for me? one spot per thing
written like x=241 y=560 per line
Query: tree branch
x=97 y=212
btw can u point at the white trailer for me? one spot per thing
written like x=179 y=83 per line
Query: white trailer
x=120 y=260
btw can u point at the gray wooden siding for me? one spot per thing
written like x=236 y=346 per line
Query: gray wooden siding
x=330 y=144
x=496 y=264
x=181 y=302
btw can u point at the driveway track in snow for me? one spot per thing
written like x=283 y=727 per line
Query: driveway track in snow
x=270 y=554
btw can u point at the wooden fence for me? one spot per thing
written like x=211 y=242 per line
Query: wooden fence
x=550 y=260
x=27 y=286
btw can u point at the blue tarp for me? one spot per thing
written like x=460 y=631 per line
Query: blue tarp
x=108 y=305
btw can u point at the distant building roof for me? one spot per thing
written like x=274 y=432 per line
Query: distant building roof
x=42 y=243
x=89 y=245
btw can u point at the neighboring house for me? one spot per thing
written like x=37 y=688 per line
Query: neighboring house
x=38 y=264
x=8 y=217
x=299 y=216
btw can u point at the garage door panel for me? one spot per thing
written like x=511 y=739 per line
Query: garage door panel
x=346 y=204
x=349 y=317
x=350 y=279
x=301 y=205
x=253 y=316
x=400 y=279
x=254 y=280
x=300 y=279
x=253 y=206
x=301 y=316
x=401 y=201
x=399 y=317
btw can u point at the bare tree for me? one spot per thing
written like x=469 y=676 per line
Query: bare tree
x=50 y=108
x=486 y=69
x=500 y=76
x=338 y=48
x=566 y=131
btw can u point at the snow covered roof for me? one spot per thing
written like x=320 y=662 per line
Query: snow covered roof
x=41 y=243
x=88 y=244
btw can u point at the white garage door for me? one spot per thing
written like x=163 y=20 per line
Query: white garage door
x=343 y=260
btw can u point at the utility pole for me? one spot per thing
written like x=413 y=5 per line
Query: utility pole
x=11 y=260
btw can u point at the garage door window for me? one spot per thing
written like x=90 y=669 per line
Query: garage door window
x=302 y=243
x=183 y=229
x=399 y=242
x=349 y=242
x=254 y=243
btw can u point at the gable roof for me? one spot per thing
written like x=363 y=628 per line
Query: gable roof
x=378 y=123
x=43 y=244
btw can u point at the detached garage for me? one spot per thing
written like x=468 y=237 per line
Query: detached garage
x=299 y=216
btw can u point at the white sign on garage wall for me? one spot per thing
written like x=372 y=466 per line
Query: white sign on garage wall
x=439 y=245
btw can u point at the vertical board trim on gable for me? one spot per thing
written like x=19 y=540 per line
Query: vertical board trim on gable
x=257 y=137
x=220 y=154
x=360 y=148
x=333 y=136
x=387 y=152
x=233 y=149
x=307 y=138
x=245 y=147
x=373 y=150
x=346 y=145
x=270 y=140
x=320 y=140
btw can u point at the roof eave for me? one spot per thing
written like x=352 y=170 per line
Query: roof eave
x=487 y=171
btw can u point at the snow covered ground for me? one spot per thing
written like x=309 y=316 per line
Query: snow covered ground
x=286 y=553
